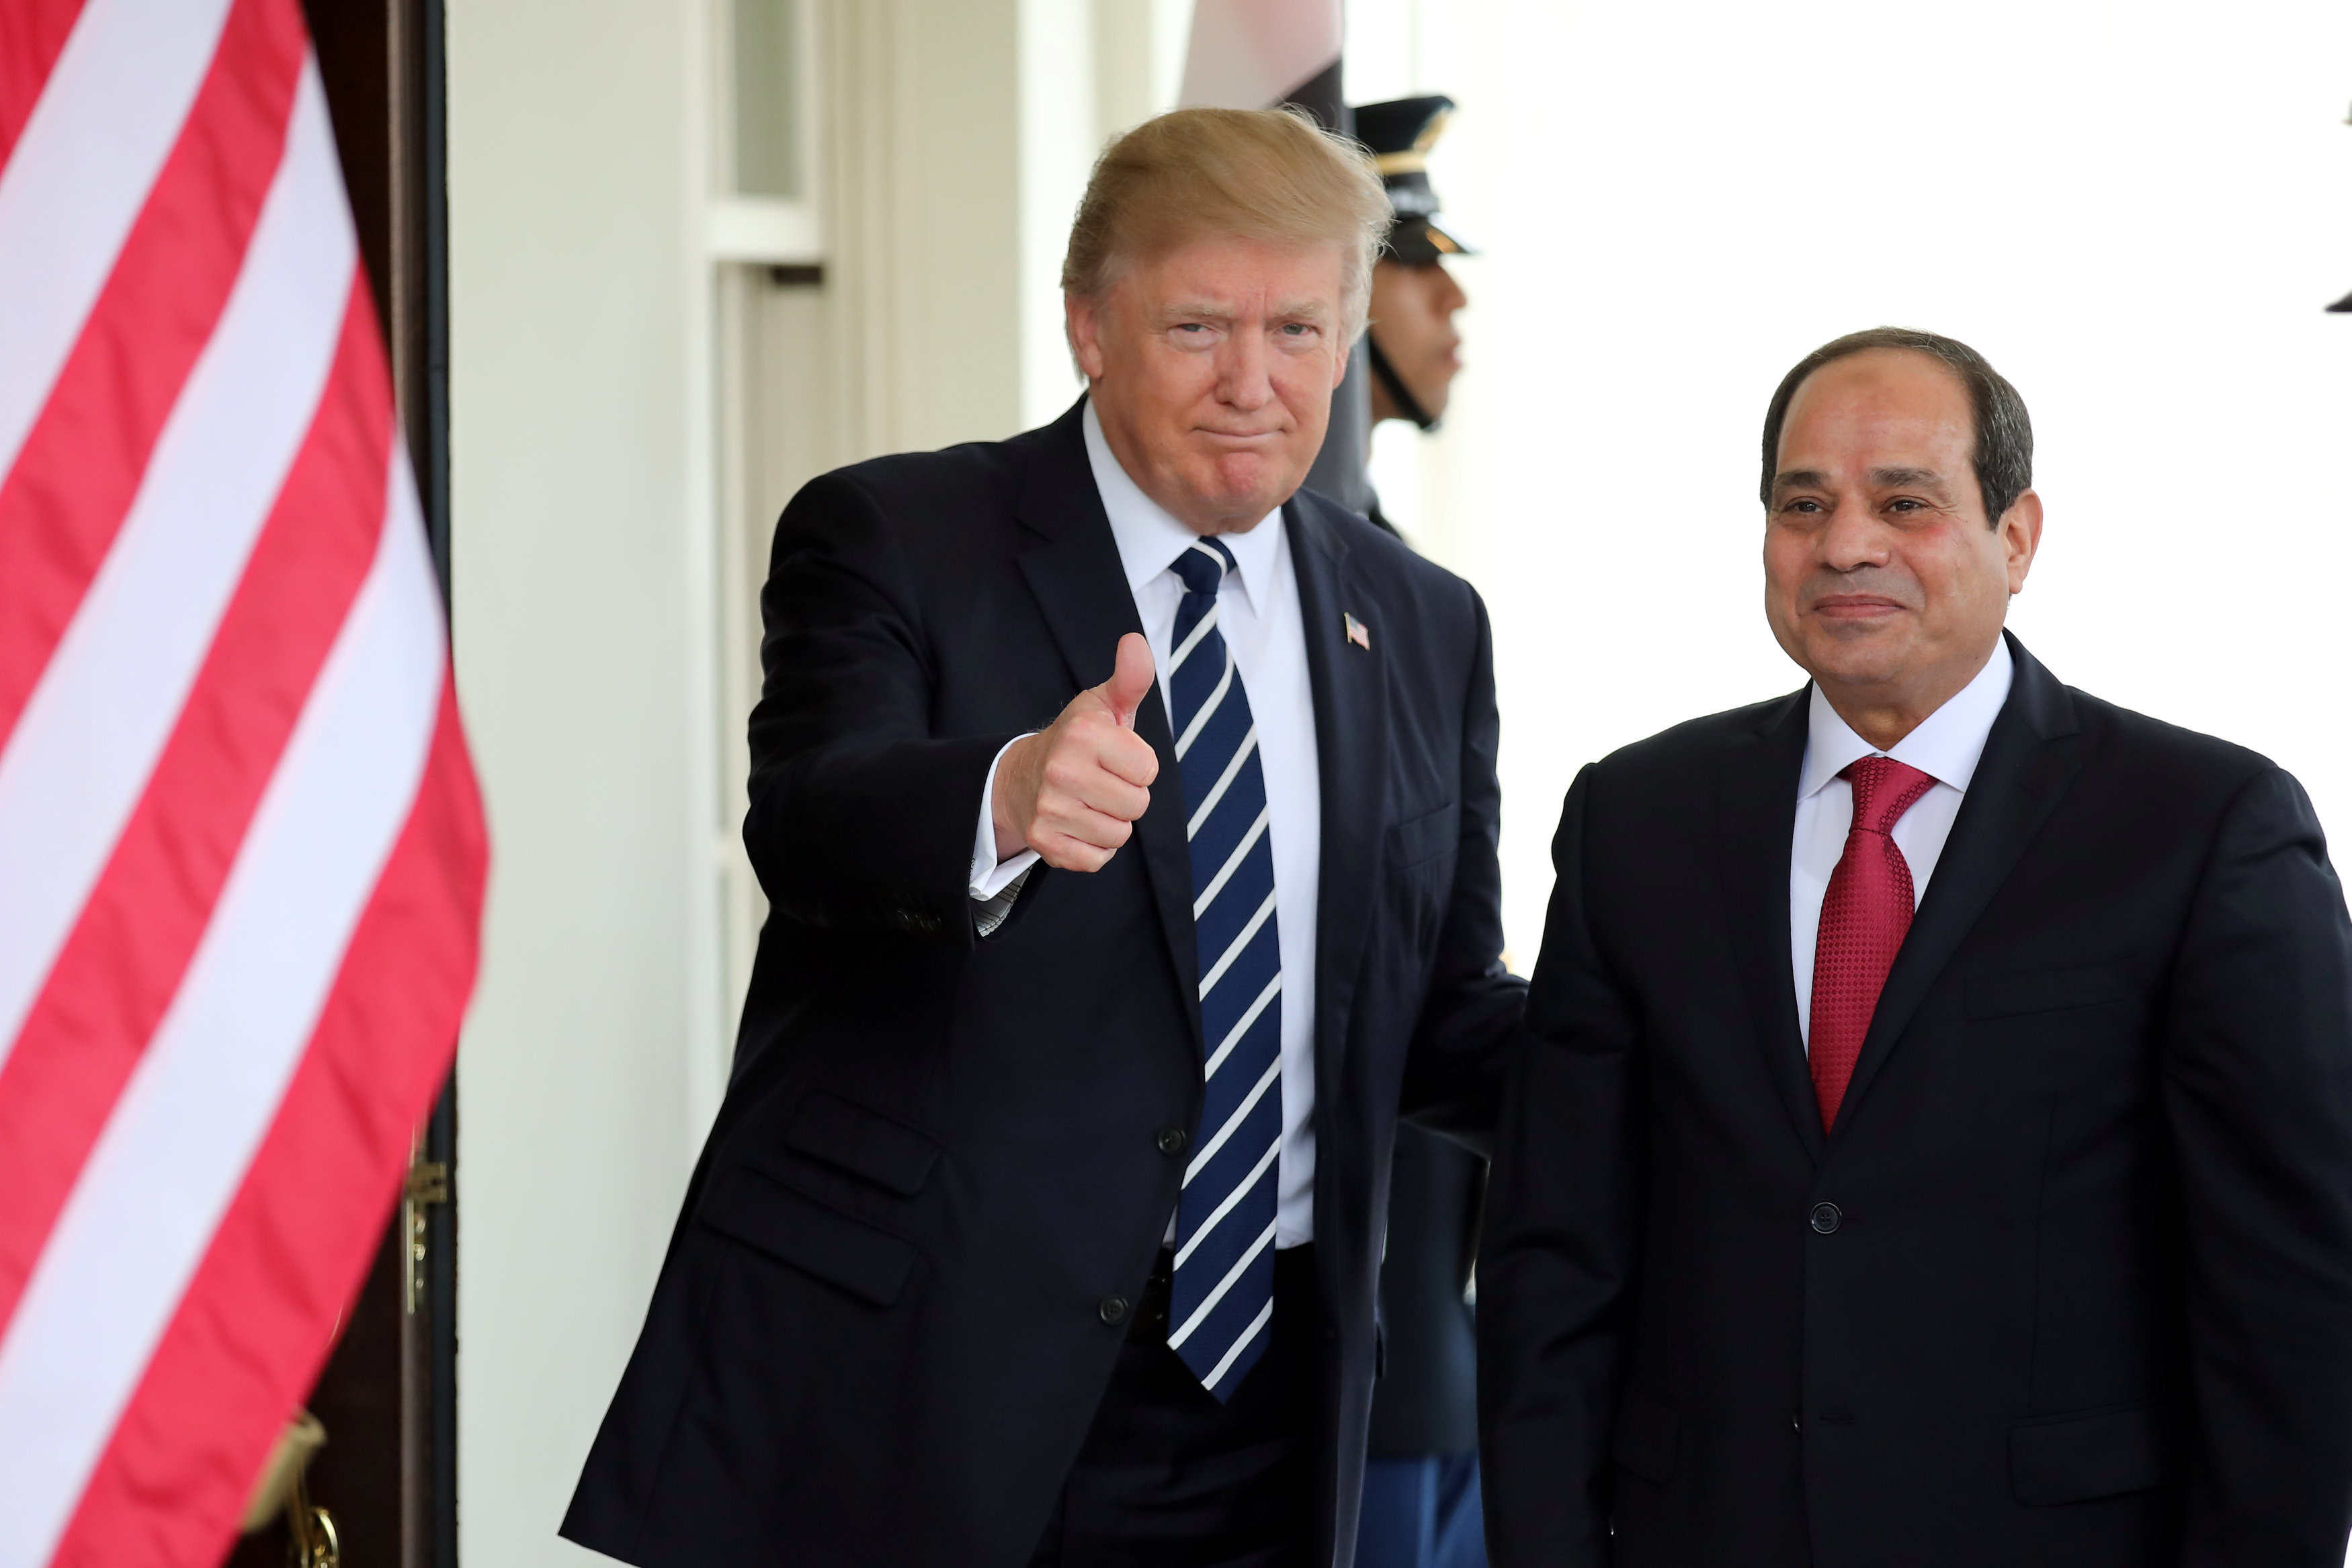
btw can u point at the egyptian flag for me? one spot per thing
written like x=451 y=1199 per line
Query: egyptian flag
x=1261 y=54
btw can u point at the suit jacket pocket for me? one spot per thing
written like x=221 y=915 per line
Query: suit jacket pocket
x=866 y=1144
x=1422 y=838
x=1648 y=1431
x=2046 y=990
x=791 y=1227
x=2073 y=1459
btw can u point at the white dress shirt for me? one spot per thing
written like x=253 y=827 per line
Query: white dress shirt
x=1945 y=747
x=1258 y=614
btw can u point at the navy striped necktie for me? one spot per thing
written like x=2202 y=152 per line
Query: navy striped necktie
x=1221 y=1303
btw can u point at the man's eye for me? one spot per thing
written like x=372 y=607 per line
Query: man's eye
x=1296 y=329
x=1803 y=507
x=1904 y=503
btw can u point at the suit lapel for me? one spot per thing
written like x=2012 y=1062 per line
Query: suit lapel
x=2031 y=754
x=1080 y=586
x=1758 y=814
x=1349 y=684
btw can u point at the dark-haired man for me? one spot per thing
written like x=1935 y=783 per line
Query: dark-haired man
x=1933 y=1140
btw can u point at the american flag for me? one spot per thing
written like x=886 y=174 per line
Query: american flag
x=1254 y=53
x=241 y=853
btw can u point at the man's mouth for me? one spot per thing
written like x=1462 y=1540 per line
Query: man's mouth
x=1856 y=607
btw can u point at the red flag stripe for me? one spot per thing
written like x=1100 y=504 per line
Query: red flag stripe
x=31 y=34
x=120 y=969
x=182 y=1138
x=288 y=1258
x=107 y=118
x=79 y=759
x=82 y=459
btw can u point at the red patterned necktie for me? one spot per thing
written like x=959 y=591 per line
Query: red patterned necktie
x=1864 y=916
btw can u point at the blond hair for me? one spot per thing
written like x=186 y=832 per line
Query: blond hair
x=1265 y=174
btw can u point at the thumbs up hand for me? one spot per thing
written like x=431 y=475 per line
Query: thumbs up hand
x=1073 y=792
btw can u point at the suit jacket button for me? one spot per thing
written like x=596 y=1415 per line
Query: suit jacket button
x=1172 y=1139
x=1827 y=1218
x=1113 y=1309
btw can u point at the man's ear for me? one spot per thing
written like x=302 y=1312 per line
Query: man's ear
x=1081 y=317
x=2020 y=536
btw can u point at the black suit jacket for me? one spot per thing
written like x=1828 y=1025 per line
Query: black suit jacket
x=892 y=1302
x=1426 y=1400
x=2069 y=1283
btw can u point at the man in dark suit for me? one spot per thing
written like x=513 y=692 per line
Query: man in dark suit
x=1041 y=1219
x=2018 y=1232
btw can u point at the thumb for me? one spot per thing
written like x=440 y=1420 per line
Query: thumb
x=1130 y=680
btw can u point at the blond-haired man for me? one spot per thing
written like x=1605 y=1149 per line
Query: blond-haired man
x=1041 y=1221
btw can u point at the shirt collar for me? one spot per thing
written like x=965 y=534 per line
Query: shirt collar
x=1150 y=540
x=1945 y=747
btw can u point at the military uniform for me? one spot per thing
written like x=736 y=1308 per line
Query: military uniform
x=1421 y=1486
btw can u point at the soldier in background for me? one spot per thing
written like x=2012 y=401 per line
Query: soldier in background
x=1412 y=347
x=1420 y=1483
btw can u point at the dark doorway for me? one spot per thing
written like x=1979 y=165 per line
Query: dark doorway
x=388 y=1473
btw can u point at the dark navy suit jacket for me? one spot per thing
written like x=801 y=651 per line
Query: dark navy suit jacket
x=893 y=1301
x=2070 y=1283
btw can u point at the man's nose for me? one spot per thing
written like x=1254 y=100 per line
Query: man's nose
x=1854 y=539
x=1243 y=382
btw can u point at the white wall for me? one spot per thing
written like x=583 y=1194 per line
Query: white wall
x=1089 y=70
x=1060 y=134
x=572 y=361
x=2137 y=212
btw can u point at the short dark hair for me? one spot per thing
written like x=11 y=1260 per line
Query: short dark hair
x=2004 y=454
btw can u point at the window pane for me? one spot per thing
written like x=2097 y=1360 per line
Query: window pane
x=767 y=99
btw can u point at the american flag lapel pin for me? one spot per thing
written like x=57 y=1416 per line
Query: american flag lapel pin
x=1357 y=633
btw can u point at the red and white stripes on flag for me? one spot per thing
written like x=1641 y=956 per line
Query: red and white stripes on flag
x=241 y=852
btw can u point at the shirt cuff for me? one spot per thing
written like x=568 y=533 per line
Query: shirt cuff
x=989 y=876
